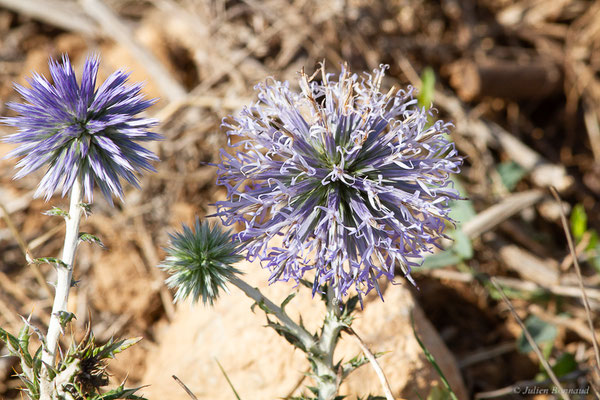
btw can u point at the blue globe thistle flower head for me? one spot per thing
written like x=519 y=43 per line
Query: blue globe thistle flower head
x=354 y=181
x=80 y=130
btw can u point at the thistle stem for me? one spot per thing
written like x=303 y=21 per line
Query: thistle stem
x=319 y=352
x=328 y=378
x=64 y=272
x=255 y=294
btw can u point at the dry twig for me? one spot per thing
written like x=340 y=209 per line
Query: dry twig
x=584 y=296
x=187 y=390
x=532 y=342
x=376 y=367
x=115 y=28
x=62 y=14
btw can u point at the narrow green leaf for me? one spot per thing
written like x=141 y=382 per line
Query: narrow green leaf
x=431 y=359
x=578 y=221
x=12 y=343
x=425 y=98
x=594 y=242
x=56 y=212
x=237 y=396
x=439 y=393
x=51 y=260
x=88 y=237
x=287 y=300
x=286 y=334
x=119 y=393
x=111 y=348
x=350 y=305
x=24 y=336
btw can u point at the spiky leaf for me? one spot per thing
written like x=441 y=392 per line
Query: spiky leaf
x=56 y=212
x=88 y=237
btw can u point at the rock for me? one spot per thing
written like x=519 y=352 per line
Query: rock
x=262 y=365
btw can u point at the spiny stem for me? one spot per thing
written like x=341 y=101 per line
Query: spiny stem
x=64 y=273
x=319 y=352
x=255 y=294
x=329 y=379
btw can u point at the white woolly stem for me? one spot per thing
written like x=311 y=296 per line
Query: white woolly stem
x=328 y=378
x=319 y=352
x=64 y=272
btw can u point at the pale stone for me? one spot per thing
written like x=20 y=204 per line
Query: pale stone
x=263 y=365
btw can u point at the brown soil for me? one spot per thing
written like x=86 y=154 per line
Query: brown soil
x=218 y=50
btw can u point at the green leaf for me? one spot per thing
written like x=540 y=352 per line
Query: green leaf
x=440 y=260
x=12 y=343
x=87 y=209
x=578 y=221
x=88 y=237
x=287 y=300
x=111 y=348
x=286 y=334
x=439 y=393
x=461 y=210
x=541 y=331
x=56 y=212
x=593 y=248
x=51 y=260
x=261 y=304
x=462 y=244
x=350 y=305
x=64 y=317
x=511 y=173
x=564 y=365
x=594 y=243
x=24 y=336
x=355 y=362
x=425 y=98
x=119 y=393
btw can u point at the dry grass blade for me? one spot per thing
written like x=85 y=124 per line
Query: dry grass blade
x=543 y=173
x=62 y=14
x=492 y=216
x=514 y=283
x=584 y=296
x=149 y=251
x=532 y=342
x=590 y=117
x=297 y=384
x=376 y=367
x=116 y=29
x=187 y=390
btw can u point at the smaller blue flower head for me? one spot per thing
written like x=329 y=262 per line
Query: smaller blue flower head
x=78 y=130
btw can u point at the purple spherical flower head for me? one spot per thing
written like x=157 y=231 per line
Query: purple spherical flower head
x=355 y=181
x=78 y=130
